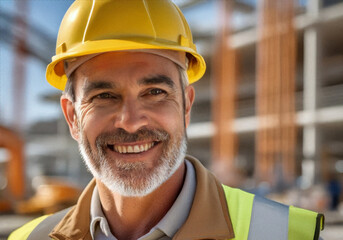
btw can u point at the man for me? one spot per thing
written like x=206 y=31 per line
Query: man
x=125 y=68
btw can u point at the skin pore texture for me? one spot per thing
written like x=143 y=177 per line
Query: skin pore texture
x=129 y=120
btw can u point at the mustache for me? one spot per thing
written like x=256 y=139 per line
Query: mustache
x=122 y=136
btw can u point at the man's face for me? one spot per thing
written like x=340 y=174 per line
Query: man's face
x=129 y=120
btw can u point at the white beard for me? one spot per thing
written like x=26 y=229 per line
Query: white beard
x=134 y=179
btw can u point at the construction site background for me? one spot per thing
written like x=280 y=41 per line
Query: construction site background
x=268 y=114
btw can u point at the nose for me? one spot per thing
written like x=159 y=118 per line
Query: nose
x=131 y=116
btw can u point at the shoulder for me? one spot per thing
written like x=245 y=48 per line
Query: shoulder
x=39 y=227
x=23 y=232
x=259 y=213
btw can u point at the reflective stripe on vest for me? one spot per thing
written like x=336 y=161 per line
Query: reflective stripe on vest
x=43 y=229
x=267 y=213
x=23 y=232
x=39 y=228
x=255 y=218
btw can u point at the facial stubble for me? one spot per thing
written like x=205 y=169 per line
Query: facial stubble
x=133 y=179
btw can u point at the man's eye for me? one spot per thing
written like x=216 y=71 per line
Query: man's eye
x=157 y=91
x=104 y=96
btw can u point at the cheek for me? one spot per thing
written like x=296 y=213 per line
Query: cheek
x=93 y=120
x=169 y=116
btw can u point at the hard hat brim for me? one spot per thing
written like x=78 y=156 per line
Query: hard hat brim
x=55 y=70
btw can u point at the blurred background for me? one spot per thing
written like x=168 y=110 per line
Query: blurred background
x=268 y=114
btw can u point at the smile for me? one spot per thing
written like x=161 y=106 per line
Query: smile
x=131 y=148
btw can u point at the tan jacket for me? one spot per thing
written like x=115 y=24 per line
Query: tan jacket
x=208 y=218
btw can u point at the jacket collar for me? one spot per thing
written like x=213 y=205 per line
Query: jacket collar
x=208 y=218
x=75 y=224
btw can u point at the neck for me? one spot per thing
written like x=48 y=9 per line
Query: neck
x=132 y=217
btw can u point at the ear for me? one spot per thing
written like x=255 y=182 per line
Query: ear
x=68 y=109
x=189 y=99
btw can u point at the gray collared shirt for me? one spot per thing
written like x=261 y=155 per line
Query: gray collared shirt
x=168 y=225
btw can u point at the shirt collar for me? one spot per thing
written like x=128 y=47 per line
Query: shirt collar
x=178 y=213
x=97 y=216
x=168 y=225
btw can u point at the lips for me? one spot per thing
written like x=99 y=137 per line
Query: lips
x=134 y=148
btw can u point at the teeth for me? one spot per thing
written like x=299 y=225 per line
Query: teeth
x=136 y=149
x=129 y=149
x=133 y=149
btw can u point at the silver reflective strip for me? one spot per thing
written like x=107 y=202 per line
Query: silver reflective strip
x=44 y=228
x=269 y=220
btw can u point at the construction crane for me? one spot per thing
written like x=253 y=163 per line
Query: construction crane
x=27 y=40
x=15 y=190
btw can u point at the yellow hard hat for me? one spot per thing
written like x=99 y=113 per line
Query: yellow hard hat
x=96 y=26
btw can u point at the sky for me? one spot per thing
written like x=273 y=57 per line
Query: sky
x=45 y=15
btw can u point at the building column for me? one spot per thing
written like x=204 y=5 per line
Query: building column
x=310 y=164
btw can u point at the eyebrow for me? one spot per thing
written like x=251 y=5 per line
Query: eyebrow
x=160 y=79
x=90 y=86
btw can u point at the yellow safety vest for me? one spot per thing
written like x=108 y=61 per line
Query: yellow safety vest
x=252 y=217
x=256 y=218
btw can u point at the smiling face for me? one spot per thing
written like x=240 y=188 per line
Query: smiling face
x=129 y=119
